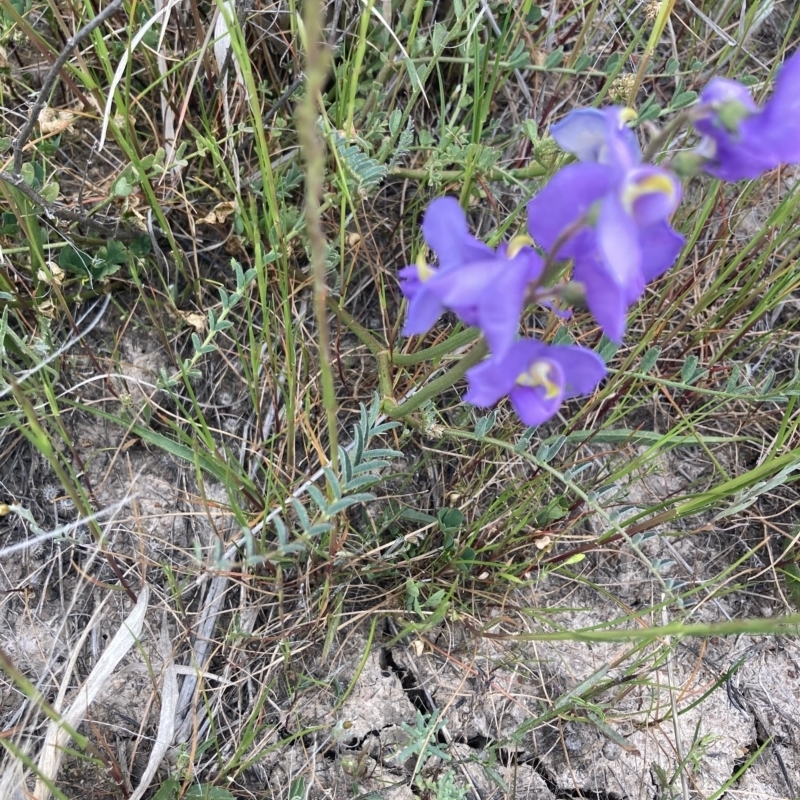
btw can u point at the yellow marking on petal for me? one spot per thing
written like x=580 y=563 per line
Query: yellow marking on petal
x=627 y=114
x=538 y=374
x=424 y=270
x=650 y=185
x=657 y=183
x=517 y=243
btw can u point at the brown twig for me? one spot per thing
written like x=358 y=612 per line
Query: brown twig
x=15 y=179
x=52 y=77
x=53 y=211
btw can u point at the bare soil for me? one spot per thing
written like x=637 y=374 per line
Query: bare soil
x=258 y=672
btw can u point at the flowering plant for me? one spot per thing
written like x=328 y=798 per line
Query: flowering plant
x=607 y=214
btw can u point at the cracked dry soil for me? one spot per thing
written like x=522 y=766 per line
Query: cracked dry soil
x=491 y=699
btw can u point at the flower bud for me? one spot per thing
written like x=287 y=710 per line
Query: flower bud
x=688 y=163
x=732 y=113
x=573 y=293
x=546 y=152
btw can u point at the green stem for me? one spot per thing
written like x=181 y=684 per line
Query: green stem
x=362 y=334
x=664 y=135
x=377 y=348
x=531 y=171
x=450 y=345
x=385 y=383
x=665 y=9
x=437 y=386
x=389 y=65
x=363 y=30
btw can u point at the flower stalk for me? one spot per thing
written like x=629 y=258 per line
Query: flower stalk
x=317 y=59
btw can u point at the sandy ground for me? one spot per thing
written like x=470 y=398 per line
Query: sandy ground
x=338 y=717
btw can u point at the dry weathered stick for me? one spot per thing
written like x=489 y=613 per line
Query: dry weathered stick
x=53 y=211
x=14 y=178
x=53 y=75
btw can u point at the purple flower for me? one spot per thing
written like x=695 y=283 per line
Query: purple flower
x=599 y=135
x=445 y=230
x=609 y=214
x=491 y=293
x=537 y=378
x=742 y=141
x=482 y=287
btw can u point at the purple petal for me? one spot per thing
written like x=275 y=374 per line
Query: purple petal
x=723 y=90
x=445 y=229
x=490 y=294
x=582 y=133
x=786 y=96
x=500 y=309
x=746 y=153
x=496 y=377
x=598 y=136
x=564 y=200
x=782 y=113
x=533 y=403
x=741 y=159
x=465 y=285
x=410 y=282
x=583 y=368
x=500 y=324
x=604 y=296
x=533 y=407
x=468 y=315
x=424 y=308
x=622 y=147
x=618 y=240
x=660 y=246
x=570 y=371
x=652 y=194
x=764 y=139
x=443 y=222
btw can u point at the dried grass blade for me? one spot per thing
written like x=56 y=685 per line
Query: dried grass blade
x=166 y=720
x=57 y=735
